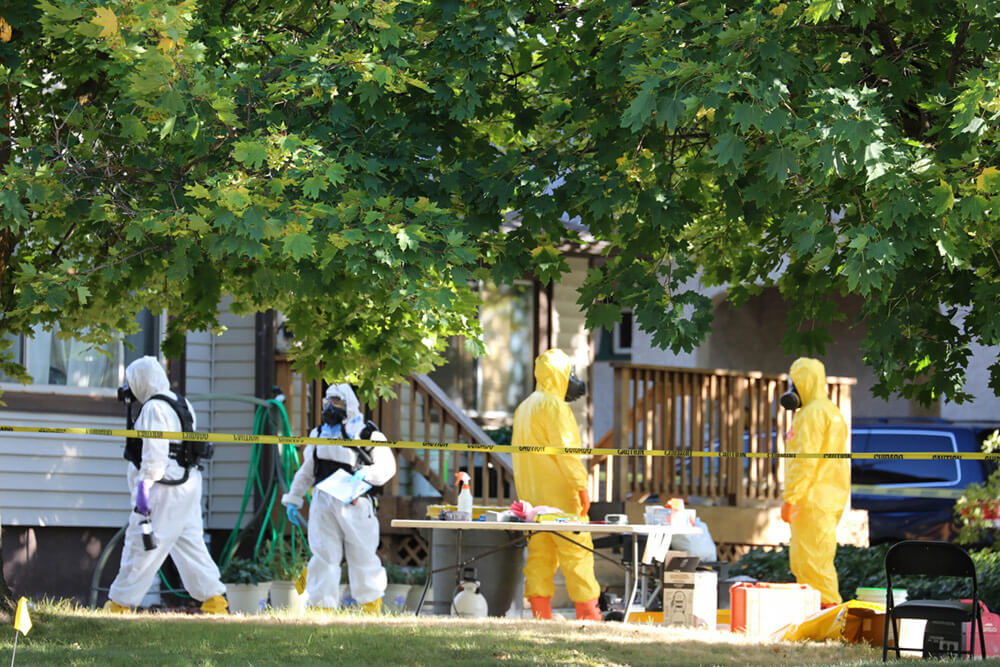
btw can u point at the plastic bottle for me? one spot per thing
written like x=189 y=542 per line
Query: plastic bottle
x=464 y=493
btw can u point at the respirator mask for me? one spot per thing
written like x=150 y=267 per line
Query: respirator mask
x=575 y=388
x=334 y=410
x=791 y=400
x=125 y=394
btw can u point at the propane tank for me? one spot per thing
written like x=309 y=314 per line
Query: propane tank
x=469 y=602
x=464 y=494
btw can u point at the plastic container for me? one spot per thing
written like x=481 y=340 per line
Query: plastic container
x=761 y=608
x=878 y=595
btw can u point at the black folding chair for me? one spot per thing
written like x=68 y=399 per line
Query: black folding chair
x=930 y=559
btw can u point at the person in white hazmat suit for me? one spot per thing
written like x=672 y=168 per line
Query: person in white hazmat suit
x=337 y=529
x=174 y=510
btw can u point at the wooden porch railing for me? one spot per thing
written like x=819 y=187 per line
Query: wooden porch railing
x=422 y=412
x=663 y=408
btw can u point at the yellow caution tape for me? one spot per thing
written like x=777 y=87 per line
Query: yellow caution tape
x=475 y=447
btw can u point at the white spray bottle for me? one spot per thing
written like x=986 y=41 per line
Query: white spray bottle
x=464 y=493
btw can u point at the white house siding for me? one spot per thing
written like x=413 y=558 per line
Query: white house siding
x=224 y=365
x=571 y=335
x=62 y=480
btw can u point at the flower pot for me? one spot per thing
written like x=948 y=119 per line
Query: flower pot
x=247 y=598
x=395 y=596
x=284 y=596
x=346 y=599
x=413 y=598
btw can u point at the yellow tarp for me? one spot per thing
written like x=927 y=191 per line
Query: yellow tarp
x=852 y=621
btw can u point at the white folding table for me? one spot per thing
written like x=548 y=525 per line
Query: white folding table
x=657 y=543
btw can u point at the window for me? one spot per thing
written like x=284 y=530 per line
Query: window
x=615 y=344
x=904 y=472
x=490 y=388
x=623 y=334
x=68 y=362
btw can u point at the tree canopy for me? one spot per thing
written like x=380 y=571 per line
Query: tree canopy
x=351 y=165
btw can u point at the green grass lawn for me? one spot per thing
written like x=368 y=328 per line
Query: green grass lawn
x=64 y=634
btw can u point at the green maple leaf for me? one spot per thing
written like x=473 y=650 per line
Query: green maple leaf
x=730 y=149
x=639 y=111
x=298 y=245
x=779 y=164
x=250 y=153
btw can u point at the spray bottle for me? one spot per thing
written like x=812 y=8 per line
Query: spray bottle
x=464 y=494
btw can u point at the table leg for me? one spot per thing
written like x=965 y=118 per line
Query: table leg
x=634 y=577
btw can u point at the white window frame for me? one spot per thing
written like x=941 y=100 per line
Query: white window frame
x=25 y=343
x=617 y=332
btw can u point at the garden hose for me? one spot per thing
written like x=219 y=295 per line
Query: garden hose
x=267 y=484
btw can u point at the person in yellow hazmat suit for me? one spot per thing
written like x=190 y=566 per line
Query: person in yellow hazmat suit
x=557 y=480
x=816 y=490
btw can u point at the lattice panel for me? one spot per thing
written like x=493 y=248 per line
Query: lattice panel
x=732 y=551
x=409 y=550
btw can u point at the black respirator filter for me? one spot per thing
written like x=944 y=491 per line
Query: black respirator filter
x=791 y=400
x=576 y=388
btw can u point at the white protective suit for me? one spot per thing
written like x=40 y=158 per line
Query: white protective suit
x=338 y=530
x=175 y=511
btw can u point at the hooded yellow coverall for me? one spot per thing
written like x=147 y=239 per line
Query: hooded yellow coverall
x=816 y=489
x=544 y=418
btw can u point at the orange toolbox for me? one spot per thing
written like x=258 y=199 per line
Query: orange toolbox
x=761 y=608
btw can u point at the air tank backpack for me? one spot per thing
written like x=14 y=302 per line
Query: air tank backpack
x=187 y=453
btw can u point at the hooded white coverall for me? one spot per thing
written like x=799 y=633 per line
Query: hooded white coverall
x=338 y=530
x=817 y=489
x=175 y=511
x=544 y=418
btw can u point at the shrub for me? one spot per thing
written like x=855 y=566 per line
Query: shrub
x=245 y=571
x=286 y=563
x=977 y=512
x=403 y=574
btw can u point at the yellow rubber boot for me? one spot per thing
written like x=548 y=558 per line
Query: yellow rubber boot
x=374 y=607
x=215 y=605
x=113 y=607
x=541 y=608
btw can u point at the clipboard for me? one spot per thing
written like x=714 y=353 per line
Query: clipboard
x=343 y=486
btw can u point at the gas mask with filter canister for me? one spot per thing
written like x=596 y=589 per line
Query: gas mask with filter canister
x=791 y=400
x=575 y=388
x=334 y=410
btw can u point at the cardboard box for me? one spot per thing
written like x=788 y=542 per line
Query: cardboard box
x=759 y=609
x=690 y=598
x=871 y=629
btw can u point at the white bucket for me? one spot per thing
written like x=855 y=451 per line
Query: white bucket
x=284 y=596
x=247 y=598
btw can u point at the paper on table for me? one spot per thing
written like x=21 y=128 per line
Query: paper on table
x=343 y=486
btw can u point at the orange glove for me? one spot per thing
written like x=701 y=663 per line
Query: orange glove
x=786 y=511
x=584 y=502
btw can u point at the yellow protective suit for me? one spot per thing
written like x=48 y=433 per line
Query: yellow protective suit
x=544 y=418
x=817 y=489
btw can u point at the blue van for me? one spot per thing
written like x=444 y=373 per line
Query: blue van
x=909 y=498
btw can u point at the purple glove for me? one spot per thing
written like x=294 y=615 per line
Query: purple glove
x=142 y=499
